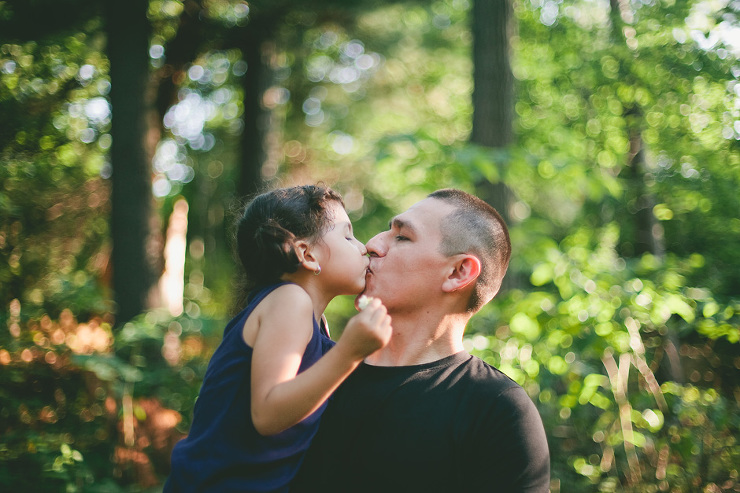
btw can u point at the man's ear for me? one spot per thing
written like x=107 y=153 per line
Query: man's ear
x=466 y=270
x=304 y=253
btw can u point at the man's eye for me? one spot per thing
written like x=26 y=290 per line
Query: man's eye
x=401 y=238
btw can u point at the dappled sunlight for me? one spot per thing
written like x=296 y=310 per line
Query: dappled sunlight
x=622 y=322
x=89 y=338
x=52 y=338
x=172 y=281
x=86 y=397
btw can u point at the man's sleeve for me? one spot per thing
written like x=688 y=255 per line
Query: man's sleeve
x=510 y=453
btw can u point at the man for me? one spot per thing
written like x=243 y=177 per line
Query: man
x=421 y=414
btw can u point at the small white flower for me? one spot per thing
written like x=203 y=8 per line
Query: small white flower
x=363 y=302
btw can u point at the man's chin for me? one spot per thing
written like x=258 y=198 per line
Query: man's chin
x=368 y=291
x=365 y=292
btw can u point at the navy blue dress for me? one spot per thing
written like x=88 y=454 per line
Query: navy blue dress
x=224 y=452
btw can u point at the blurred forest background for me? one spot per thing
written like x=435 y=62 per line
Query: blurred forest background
x=606 y=131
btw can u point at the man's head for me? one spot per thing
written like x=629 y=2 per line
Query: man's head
x=449 y=242
x=476 y=228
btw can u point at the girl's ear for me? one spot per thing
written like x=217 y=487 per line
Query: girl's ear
x=465 y=271
x=304 y=253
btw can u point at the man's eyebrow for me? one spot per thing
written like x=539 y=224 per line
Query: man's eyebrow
x=401 y=224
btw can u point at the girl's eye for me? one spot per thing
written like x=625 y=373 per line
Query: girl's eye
x=401 y=238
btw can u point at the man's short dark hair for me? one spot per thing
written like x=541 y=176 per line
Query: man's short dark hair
x=476 y=228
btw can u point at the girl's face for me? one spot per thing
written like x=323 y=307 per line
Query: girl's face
x=342 y=257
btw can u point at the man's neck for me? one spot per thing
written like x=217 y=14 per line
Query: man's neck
x=417 y=340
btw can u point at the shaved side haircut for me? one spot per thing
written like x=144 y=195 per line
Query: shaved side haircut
x=476 y=228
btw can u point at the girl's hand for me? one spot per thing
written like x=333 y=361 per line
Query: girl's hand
x=367 y=331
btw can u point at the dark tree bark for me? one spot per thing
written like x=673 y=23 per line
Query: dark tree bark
x=493 y=93
x=180 y=51
x=128 y=45
x=39 y=19
x=493 y=96
x=647 y=236
x=256 y=118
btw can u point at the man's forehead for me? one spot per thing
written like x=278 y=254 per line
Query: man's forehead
x=424 y=215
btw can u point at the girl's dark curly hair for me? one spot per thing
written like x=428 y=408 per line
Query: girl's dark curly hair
x=267 y=227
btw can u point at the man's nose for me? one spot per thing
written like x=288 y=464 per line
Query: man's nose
x=376 y=246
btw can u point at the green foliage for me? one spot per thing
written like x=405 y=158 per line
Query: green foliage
x=55 y=422
x=629 y=352
x=597 y=345
x=53 y=223
x=584 y=107
x=78 y=417
x=163 y=356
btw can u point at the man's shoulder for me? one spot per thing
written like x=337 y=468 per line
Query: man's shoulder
x=488 y=386
x=498 y=420
x=487 y=376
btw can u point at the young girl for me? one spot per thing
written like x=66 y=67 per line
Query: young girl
x=267 y=383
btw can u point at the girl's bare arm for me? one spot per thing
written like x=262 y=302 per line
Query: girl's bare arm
x=280 y=396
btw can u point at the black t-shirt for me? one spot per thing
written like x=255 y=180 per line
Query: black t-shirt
x=456 y=424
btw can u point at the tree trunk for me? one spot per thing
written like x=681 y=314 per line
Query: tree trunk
x=493 y=96
x=648 y=237
x=256 y=118
x=127 y=27
x=493 y=93
x=648 y=232
x=180 y=51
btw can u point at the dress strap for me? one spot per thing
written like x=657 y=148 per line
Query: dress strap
x=324 y=326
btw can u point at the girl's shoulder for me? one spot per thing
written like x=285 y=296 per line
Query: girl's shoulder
x=291 y=294
x=288 y=307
